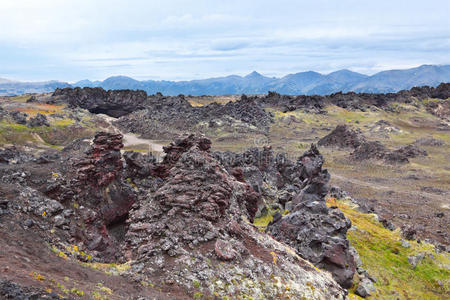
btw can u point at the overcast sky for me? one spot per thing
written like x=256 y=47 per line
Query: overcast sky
x=71 y=40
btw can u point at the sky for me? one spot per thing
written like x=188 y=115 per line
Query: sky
x=70 y=40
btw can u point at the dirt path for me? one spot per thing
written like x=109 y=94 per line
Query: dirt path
x=131 y=139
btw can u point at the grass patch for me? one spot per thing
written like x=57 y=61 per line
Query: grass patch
x=384 y=257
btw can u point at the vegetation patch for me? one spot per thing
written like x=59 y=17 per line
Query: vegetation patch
x=384 y=257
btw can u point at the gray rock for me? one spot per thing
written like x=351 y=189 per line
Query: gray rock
x=28 y=223
x=405 y=244
x=414 y=260
x=59 y=221
x=365 y=288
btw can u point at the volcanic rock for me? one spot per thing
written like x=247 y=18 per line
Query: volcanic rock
x=165 y=116
x=194 y=228
x=344 y=137
x=19 y=117
x=316 y=232
x=38 y=120
x=429 y=141
x=369 y=150
x=98 y=185
x=114 y=103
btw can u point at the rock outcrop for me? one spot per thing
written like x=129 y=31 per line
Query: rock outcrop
x=165 y=116
x=194 y=231
x=38 y=120
x=114 y=103
x=99 y=187
x=318 y=233
x=343 y=137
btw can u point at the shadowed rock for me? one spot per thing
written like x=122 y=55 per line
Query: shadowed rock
x=114 y=103
x=316 y=232
x=344 y=137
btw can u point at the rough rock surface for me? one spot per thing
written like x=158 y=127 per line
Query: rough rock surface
x=365 y=288
x=11 y=290
x=318 y=233
x=102 y=196
x=114 y=103
x=38 y=120
x=362 y=101
x=19 y=117
x=429 y=141
x=194 y=231
x=344 y=137
x=165 y=115
x=369 y=150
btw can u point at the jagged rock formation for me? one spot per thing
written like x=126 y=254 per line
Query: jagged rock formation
x=165 y=115
x=114 y=103
x=98 y=188
x=318 y=233
x=361 y=101
x=440 y=108
x=19 y=117
x=38 y=120
x=194 y=230
x=344 y=137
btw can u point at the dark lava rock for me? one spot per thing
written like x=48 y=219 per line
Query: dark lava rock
x=165 y=116
x=14 y=291
x=365 y=288
x=14 y=155
x=439 y=108
x=19 y=117
x=362 y=101
x=409 y=232
x=316 y=232
x=139 y=165
x=429 y=141
x=193 y=227
x=369 y=150
x=114 y=103
x=99 y=186
x=38 y=120
x=410 y=151
x=343 y=136
x=387 y=224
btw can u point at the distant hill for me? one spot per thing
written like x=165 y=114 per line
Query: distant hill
x=308 y=83
x=11 y=88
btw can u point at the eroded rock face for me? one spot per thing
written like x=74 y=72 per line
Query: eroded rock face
x=316 y=232
x=195 y=228
x=99 y=186
x=114 y=103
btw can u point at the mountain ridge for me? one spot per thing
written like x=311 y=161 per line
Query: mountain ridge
x=308 y=83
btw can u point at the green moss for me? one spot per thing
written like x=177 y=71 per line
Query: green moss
x=196 y=284
x=198 y=295
x=384 y=257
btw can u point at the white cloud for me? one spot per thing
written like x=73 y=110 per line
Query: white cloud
x=180 y=39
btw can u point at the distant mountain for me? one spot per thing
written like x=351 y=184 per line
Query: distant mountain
x=11 y=88
x=308 y=83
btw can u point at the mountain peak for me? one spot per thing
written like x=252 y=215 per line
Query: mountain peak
x=254 y=74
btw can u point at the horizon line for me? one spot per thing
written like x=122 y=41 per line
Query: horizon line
x=215 y=77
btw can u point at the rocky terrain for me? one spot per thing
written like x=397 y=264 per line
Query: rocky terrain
x=124 y=195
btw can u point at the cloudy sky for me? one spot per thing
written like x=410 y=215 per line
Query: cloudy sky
x=72 y=40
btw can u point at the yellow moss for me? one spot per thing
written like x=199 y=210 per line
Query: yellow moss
x=384 y=257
